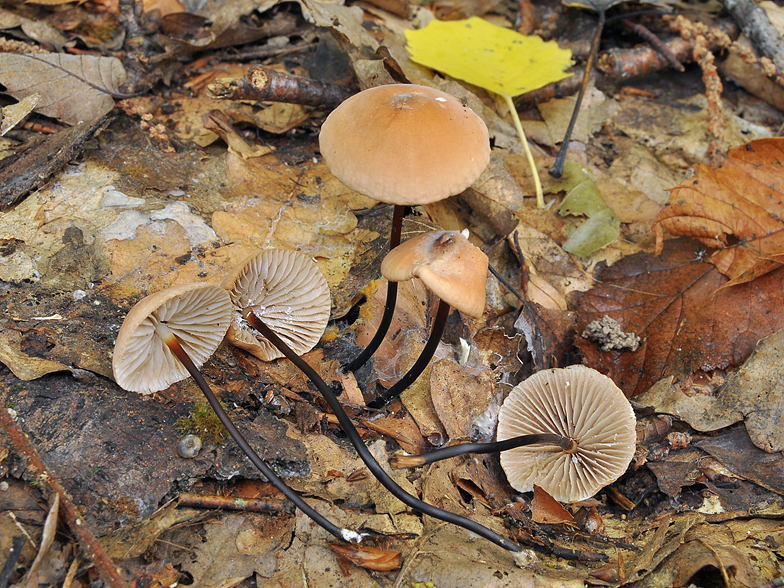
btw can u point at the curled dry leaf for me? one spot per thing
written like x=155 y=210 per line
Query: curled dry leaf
x=370 y=558
x=737 y=209
x=73 y=88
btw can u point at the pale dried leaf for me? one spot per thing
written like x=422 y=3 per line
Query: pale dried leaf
x=73 y=88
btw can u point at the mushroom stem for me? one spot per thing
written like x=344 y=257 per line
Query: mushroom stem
x=439 y=324
x=171 y=341
x=371 y=463
x=389 y=306
x=410 y=461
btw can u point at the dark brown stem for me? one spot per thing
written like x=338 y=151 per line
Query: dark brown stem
x=264 y=84
x=439 y=324
x=389 y=305
x=568 y=445
x=370 y=461
x=557 y=170
x=173 y=344
x=87 y=541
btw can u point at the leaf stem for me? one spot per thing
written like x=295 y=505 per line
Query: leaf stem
x=528 y=155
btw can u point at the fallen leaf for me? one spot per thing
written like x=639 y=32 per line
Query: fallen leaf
x=685 y=320
x=13 y=114
x=494 y=58
x=370 y=558
x=547 y=510
x=73 y=88
x=584 y=198
x=752 y=394
x=737 y=209
x=460 y=394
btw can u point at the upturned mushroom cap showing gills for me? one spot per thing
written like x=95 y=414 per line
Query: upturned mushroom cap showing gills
x=288 y=292
x=198 y=314
x=581 y=404
x=405 y=144
x=447 y=263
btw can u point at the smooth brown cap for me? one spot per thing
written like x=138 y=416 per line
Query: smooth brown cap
x=287 y=291
x=405 y=144
x=198 y=314
x=576 y=402
x=447 y=263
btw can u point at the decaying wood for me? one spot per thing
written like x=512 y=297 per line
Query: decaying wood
x=30 y=169
x=264 y=84
x=87 y=541
x=755 y=24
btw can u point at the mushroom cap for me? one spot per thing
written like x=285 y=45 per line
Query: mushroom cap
x=286 y=290
x=405 y=144
x=447 y=263
x=576 y=402
x=198 y=314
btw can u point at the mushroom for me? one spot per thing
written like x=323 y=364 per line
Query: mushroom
x=570 y=431
x=287 y=290
x=170 y=334
x=405 y=145
x=581 y=404
x=454 y=270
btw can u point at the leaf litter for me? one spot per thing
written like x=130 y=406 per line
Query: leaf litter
x=149 y=209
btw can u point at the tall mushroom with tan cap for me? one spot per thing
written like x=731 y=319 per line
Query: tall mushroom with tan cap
x=169 y=335
x=569 y=431
x=288 y=292
x=454 y=270
x=405 y=145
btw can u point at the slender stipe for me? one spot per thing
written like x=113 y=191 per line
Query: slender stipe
x=365 y=454
x=439 y=324
x=389 y=306
x=409 y=461
x=557 y=170
x=173 y=343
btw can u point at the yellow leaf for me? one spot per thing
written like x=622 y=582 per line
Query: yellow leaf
x=492 y=57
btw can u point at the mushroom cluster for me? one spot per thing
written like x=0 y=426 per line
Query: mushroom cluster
x=405 y=145
x=160 y=330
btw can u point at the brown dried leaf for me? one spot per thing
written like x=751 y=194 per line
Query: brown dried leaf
x=73 y=88
x=686 y=320
x=371 y=558
x=547 y=510
x=737 y=209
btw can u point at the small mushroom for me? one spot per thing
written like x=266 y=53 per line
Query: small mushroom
x=288 y=292
x=169 y=335
x=580 y=404
x=454 y=270
x=405 y=145
x=196 y=314
x=570 y=431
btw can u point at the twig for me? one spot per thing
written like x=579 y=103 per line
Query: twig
x=235 y=503
x=755 y=24
x=655 y=42
x=622 y=64
x=13 y=556
x=86 y=539
x=557 y=170
x=265 y=84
